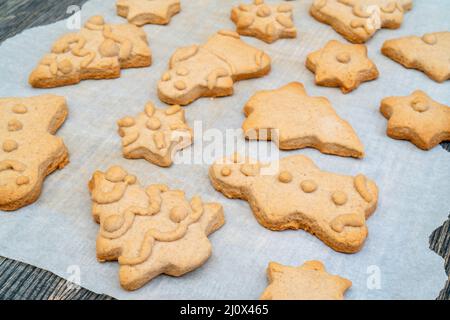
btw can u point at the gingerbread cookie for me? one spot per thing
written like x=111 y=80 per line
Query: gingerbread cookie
x=417 y=118
x=29 y=151
x=342 y=65
x=307 y=282
x=140 y=12
x=264 y=21
x=97 y=51
x=429 y=53
x=155 y=134
x=358 y=20
x=210 y=70
x=301 y=121
x=300 y=196
x=152 y=230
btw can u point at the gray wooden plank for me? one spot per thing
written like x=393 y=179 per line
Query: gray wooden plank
x=22 y=281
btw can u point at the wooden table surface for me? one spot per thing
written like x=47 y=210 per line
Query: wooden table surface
x=22 y=281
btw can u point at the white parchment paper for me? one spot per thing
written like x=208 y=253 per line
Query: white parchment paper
x=57 y=232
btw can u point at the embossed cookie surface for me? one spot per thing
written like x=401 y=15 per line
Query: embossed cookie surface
x=267 y=22
x=151 y=230
x=307 y=282
x=210 y=70
x=429 y=53
x=97 y=51
x=298 y=195
x=417 y=118
x=342 y=65
x=29 y=151
x=155 y=134
x=359 y=20
x=140 y=12
x=301 y=121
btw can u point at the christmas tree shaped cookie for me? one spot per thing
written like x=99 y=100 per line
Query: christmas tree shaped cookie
x=294 y=194
x=97 y=51
x=294 y=120
x=307 y=282
x=29 y=151
x=359 y=20
x=210 y=70
x=151 y=230
x=140 y=12
x=155 y=134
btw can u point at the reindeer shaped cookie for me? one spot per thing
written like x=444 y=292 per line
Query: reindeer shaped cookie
x=97 y=51
x=298 y=195
x=150 y=230
x=210 y=70
x=359 y=20
x=29 y=151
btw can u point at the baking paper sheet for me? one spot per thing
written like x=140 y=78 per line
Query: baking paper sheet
x=57 y=232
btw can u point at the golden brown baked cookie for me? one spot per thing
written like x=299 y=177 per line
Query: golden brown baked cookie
x=298 y=195
x=429 y=53
x=358 y=20
x=267 y=22
x=29 y=151
x=417 y=118
x=210 y=70
x=307 y=282
x=97 y=51
x=302 y=121
x=155 y=134
x=152 y=230
x=342 y=65
x=140 y=12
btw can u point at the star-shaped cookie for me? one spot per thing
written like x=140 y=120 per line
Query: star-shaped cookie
x=150 y=230
x=140 y=12
x=429 y=53
x=417 y=118
x=342 y=65
x=155 y=134
x=359 y=20
x=301 y=121
x=266 y=22
x=308 y=282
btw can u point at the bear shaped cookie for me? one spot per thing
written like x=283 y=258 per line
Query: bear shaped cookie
x=97 y=51
x=210 y=70
x=29 y=151
x=359 y=20
x=150 y=230
x=155 y=134
x=295 y=120
x=307 y=282
x=140 y=12
x=298 y=195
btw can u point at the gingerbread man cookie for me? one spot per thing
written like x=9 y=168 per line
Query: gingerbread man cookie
x=210 y=70
x=300 y=196
x=301 y=121
x=29 y=151
x=417 y=118
x=342 y=65
x=140 y=12
x=429 y=53
x=152 y=230
x=264 y=21
x=359 y=20
x=97 y=51
x=307 y=282
x=155 y=134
